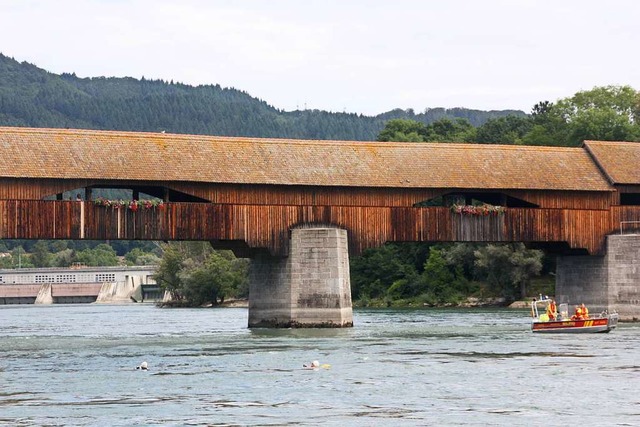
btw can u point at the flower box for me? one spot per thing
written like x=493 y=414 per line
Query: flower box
x=481 y=210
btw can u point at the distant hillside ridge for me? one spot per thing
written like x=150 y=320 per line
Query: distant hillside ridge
x=31 y=96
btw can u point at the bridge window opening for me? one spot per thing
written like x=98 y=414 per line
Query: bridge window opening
x=147 y=193
x=476 y=199
x=630 y=199
x=93 y=193
x=69 y=195
x=127 y=193
x=513 y=202
x=436 y=201
x=177 y=196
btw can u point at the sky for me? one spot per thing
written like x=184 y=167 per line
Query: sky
x=356 y=56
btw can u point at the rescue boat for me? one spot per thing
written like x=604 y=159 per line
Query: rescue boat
x=602 y=322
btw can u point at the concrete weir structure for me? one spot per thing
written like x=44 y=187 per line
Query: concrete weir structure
x=610 y=282
x=308 y=289
x=78 y=285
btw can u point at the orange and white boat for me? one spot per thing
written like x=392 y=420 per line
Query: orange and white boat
x=602 y=322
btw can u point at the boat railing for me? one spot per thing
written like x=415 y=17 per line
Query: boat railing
x=562 y=311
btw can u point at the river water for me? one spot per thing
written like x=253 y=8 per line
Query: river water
x=64 y=365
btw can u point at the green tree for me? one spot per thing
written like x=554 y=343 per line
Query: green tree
x=196 y=274
x=6 y=262
x=509 y=267
x=58 y=245
x=549 y=127
x=101 y=255
x=20 y=258
x=437 y=276
x=444 y=283
x=216 y=278
x=504 y=130
x=463 y=256
x=402 y=130
x=137 y=256
x=450 y=130
x=63 y=258
x=376 y=270
x=167 y=275
x=526 y=264
x=609 y=113
x=40 y=255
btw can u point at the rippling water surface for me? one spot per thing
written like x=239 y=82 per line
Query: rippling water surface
x=75 y=365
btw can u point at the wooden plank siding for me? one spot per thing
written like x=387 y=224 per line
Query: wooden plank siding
x=629 y=214
x=268 y=226
x=302 y=195
x=36 y=189
x=566 y=199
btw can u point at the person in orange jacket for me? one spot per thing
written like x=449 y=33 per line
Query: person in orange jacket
x=585 y=311
x=552 y=311
x=578 y=315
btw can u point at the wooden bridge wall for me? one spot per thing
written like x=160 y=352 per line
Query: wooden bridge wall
x=267 y=226
x=37 y=189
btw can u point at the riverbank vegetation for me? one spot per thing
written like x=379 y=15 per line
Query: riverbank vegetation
x=409 y=274
x=395 y=275
x=65 y=253
x=195 y=274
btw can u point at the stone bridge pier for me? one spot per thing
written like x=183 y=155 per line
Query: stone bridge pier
x=308 y=289
x=610 y=282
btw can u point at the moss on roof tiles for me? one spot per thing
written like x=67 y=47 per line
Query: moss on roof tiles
x=113 y=155
x=619 y=160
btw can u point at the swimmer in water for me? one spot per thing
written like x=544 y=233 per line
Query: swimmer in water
x=313 y=365
x=143 y=366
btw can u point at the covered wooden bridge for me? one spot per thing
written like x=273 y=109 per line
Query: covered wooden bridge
x=250 y=194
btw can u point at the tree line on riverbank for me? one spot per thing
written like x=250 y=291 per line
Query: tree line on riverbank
x=408 y=274
x=421 y=274
x=65 y=253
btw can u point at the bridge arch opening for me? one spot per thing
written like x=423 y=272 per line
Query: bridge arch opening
x=630 y=199
x=126 y=192
x=476 y=198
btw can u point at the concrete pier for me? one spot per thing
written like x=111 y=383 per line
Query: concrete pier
x=610 y=282
x=308 y=289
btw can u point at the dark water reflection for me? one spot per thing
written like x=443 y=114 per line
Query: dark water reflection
x=75 y=365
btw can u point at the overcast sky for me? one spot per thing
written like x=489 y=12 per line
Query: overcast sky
x=362 y=56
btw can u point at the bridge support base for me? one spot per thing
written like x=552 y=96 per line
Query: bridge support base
x=610 y=282
x=308 y=289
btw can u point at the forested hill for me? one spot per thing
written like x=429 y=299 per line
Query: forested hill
x=30 y=96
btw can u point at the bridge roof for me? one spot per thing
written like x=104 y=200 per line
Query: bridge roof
x=620 y=161
x=137 y=156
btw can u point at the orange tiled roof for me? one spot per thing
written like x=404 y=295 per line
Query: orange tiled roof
x=73 y=154
x=620 y=161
